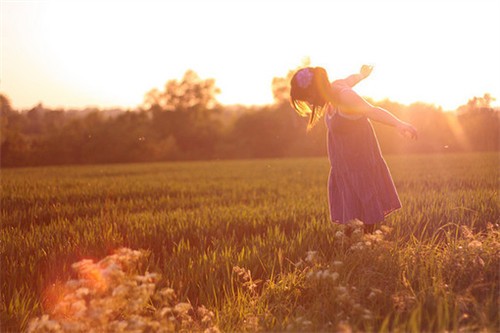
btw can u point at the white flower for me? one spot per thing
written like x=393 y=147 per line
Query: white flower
x=341 y=290
x=357 y=247
x=167 y=293
x=81 y=292
x=475 y=245
x=120 y=291
x=111 y=286
x=337 y=263
x=79 y=308
x=357 y=232
x=311 y=255
x=367 y=314
x=182 y=307
x=356 y=223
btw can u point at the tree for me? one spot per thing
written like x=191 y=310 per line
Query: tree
x=480 y=123
x=183 y=113
x=5 y=106
x=189 y=94
x=5 y=111
x=281 y=85
x=477 y=104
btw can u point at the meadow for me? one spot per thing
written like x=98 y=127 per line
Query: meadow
x=250 y=240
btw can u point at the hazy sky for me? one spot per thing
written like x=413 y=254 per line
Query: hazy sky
x=105 y=53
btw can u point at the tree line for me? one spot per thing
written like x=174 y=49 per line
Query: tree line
x=184 y=121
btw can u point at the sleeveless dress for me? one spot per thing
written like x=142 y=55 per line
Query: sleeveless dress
x=360 y=185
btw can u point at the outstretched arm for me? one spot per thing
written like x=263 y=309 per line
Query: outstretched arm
x=352 y=103
x=354 y=79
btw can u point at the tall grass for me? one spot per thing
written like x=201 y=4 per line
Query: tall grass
x=251 y=241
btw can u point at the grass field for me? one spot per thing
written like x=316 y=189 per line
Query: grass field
x=251 y=241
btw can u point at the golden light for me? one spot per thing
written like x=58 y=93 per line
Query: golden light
x=458 y=132
x=107 y=53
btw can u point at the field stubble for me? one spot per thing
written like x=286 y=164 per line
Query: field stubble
x=251 y=241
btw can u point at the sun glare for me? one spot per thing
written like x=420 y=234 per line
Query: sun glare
x=112 y=53
x=93 y=55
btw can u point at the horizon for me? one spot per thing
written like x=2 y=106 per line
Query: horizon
x=50 y=54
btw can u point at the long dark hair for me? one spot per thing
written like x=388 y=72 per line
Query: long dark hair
x=310 y=93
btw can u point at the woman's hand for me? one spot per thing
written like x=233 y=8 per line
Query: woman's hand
x=407 y=130
x=365 y=71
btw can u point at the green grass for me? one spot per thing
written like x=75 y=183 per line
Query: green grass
x=435 y=269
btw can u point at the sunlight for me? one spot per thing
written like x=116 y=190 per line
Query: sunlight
x=119 y=61
x=104 y=57
x=79 y=53
x=458 y=132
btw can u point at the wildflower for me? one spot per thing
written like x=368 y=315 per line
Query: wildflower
x=356 y=223
x=165 y=311
x=402 y=302
x=81 y=292
x=367 y=315
x=337 y=263
x=375 y=237
x=357 y=247
x=182 y=307
x=375 y=291
x=148 y=277
x=341 y=290
x=110 y=287
x=120 y=291
x=357 y=232
x=385 y=229
x=300 y=264
x=43 y=324
x=167 y=293
x=475 y=245
x=83 y=265
x=205 y=314
x=74 y=284
x=311 y=256
x=67 y=326
x=79 y=308
x=118 y=326
x=466 y=232
x=252 y=323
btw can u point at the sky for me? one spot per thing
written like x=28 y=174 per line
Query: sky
x=77 y=54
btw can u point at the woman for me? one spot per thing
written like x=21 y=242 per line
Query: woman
x=360 y=185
